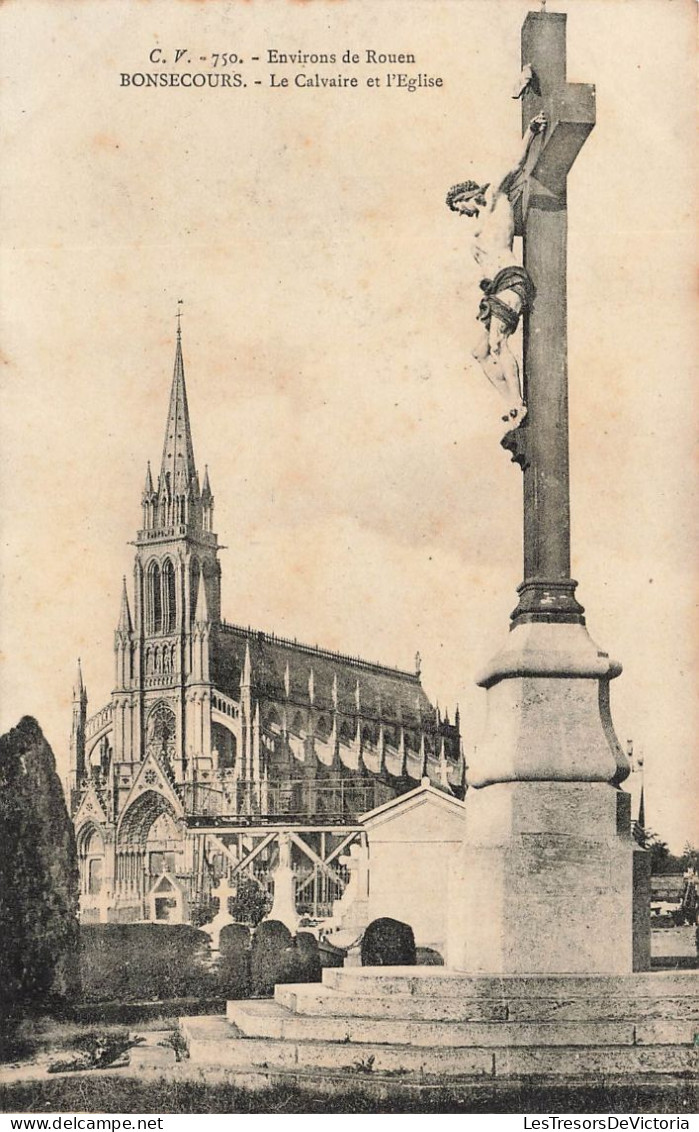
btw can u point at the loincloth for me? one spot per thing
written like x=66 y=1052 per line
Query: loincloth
x=512 y=278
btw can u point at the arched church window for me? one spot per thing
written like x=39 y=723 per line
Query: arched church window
x=370 y=734
x=225 y=743
x=272 y=721
x=155 y=601
x=169 y=602
x=194 y=576
x=161 y=731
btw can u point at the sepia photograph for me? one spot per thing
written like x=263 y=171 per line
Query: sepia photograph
x=348 y=662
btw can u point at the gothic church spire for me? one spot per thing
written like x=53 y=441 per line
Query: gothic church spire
x=177 y=470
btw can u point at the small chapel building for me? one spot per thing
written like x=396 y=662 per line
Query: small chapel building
x=219 y=738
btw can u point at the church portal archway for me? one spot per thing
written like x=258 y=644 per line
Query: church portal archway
x=150 y=844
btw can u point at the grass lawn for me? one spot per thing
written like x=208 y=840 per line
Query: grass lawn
x=36 y=1039
x=113 y=1095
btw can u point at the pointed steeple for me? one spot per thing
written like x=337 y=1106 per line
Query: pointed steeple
x=148 y=488
x=206 y=489
x=77 y=737
x=642 y=810
x=125 y=624
x=177 y=470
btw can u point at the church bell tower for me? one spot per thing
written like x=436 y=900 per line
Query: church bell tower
x=162 y=693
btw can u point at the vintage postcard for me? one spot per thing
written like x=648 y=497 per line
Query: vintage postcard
x=325 y=326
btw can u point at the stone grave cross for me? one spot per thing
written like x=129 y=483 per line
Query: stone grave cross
x=540 y=444
x=221 y=892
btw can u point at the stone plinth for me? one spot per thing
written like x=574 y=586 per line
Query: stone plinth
x=545 y=881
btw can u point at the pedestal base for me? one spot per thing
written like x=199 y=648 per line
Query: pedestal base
x=400 y=1029
x=545 y=882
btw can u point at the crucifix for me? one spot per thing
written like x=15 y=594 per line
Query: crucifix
x=540 y=444
x=542 y=815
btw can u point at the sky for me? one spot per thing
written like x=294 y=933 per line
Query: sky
x=328 y=316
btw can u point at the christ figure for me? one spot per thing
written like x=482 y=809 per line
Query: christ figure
x=507 y=288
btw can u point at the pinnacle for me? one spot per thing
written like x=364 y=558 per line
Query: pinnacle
x=125 y=624
x=78 y=686
x=201 y=615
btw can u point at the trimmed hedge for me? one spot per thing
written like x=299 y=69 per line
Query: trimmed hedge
x=428 y=957
x=388 y=943
x=132 y=962
x=278 y=958
x=233 y=968
x=128 y=963
x=308 y=965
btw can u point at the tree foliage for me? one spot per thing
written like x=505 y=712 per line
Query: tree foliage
x=38 y=875
x=662 y=861
x=250 y=904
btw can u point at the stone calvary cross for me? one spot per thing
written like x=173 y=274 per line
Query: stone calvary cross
x=540 y=444
x=547 y=845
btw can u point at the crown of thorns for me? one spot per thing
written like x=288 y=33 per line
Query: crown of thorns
x=463 y=189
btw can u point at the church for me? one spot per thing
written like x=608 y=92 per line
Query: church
x=220 y=739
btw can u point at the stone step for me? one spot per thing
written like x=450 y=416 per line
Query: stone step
x=312 y=999
x=215 y=1042
x=269 y=1019
x=433 y=981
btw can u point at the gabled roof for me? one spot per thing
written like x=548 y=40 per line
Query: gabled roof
x=421 y=795
x=380 y=692
x=151 y=776
x=90 y=808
